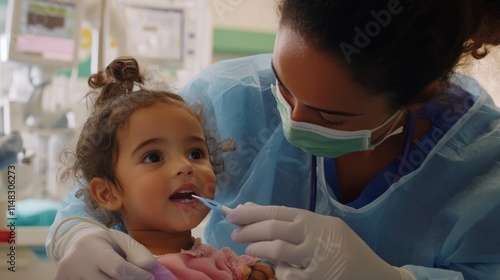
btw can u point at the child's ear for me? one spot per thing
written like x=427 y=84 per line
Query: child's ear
x=105 y=194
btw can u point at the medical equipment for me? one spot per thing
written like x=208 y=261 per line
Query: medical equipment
x=154 y=35
x=43 y=33
x=10 y=145
x=174 y=37
x=214 y=205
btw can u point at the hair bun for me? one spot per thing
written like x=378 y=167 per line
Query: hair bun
x=487 y=32
x=125 y=69
x=119 y=78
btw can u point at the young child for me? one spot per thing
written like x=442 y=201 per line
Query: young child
x=144 y=153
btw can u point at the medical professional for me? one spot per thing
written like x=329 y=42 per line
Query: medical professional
x=380 y=161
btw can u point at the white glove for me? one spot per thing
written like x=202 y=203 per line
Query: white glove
x=307 y=245
x=91 y=252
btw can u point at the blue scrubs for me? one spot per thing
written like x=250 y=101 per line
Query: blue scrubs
x=437 y=214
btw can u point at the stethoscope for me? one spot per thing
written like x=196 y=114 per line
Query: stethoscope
x=313 y=187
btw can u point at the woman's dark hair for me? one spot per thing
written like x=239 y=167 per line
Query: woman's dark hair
x=397 y=47
x=120 y=92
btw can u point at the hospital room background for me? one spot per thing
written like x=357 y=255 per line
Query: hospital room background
x=48 y=48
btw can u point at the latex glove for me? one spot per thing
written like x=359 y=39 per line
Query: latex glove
x=91 y=252
x=307 y=245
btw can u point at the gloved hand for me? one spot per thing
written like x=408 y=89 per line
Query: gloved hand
x=307 y=245
x=91 y=252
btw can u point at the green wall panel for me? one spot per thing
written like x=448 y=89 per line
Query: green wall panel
x=242 y=42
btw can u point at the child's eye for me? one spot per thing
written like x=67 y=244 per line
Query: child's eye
x=152 y=157
x=197 y=154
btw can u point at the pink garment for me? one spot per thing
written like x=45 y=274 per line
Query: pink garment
x=205 y=262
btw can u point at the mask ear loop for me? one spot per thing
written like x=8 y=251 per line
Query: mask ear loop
x=395 y=132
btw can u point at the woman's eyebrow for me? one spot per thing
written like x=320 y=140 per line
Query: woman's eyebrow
x=331 y=112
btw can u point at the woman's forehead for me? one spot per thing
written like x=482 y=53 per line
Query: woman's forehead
x=315 y=78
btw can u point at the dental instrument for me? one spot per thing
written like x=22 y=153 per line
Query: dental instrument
x=214 y=205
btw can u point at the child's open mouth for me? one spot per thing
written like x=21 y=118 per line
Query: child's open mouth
x=184 y=200
x=184 y=196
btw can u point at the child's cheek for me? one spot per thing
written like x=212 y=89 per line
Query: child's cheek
x=211 y=191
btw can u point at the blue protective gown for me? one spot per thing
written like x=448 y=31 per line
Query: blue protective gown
x=440 y=219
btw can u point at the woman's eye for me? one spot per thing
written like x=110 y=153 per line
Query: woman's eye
x=283 y=90
x=197 y=154
x=335 y=124
x=331 y=123
x=152 y=157
x=287 y=96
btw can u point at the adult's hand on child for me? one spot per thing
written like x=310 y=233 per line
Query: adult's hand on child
x=87 y=251
x=307 y=245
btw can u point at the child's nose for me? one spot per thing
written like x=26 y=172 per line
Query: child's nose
x=183 y=167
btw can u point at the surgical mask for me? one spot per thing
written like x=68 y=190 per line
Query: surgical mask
x=322 y=141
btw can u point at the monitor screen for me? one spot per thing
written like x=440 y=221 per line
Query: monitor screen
x=42 y=32
x=154 y=34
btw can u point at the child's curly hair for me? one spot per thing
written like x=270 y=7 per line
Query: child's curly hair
x=122 y=92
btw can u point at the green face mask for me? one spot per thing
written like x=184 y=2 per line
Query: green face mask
x=322 y=141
